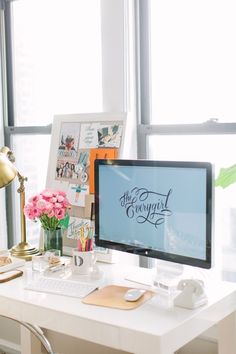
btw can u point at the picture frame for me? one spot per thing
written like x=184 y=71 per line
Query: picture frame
x=76 y=140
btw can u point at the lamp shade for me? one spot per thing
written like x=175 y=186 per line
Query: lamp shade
x=7 y=170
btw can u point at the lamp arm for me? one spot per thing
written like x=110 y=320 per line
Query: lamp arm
x=10 y=155
x=21 y=180
x=21 y=190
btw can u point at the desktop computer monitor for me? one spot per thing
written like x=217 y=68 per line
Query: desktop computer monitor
x=158 y=209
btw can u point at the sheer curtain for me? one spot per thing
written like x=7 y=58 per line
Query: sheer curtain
x=3 y=228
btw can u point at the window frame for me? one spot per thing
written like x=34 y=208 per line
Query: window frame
x=210 y=127
x=145 y=128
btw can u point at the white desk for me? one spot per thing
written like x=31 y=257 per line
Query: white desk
x=151 y=328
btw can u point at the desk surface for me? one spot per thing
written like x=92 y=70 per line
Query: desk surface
x=154 y=327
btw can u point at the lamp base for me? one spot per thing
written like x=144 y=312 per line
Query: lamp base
x=25 y=251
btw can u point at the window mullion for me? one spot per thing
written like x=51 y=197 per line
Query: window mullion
x=3 y=62
x=143 y=60
x=9 y=66
x=207 y=128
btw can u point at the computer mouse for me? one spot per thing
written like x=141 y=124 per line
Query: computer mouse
x=134 y=294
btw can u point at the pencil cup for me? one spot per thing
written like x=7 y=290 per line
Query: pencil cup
x=83 y=262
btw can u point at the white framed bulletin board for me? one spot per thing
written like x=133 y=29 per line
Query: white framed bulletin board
x=76 y=140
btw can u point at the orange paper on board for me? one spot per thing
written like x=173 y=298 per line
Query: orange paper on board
x=107 y=153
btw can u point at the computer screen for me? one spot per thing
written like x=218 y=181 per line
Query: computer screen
x=158 y=209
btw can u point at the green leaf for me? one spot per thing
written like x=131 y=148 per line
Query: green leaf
x=64 y=223
x=227 y=176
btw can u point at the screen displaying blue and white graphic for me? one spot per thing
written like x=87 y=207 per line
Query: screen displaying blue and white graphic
x=159 y=208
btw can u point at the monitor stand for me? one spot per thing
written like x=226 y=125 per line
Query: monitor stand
x=164 y=276
x=167 y=275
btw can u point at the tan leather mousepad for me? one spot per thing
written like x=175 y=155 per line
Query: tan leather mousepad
x=113 y=296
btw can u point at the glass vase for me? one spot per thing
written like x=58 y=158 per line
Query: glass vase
x=53 y=239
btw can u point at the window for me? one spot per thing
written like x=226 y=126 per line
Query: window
x=54 y=66
x=58 y=58
x=187 y=90
x=193 y=75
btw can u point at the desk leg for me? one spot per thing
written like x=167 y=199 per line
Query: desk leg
x=227 y=335
x=29 y=343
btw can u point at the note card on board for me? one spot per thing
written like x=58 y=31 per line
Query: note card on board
x=106 y=153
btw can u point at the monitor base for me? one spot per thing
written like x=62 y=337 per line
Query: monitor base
x=141 y=275
x=165 y=276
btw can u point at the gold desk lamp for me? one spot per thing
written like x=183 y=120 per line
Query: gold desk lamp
x=7 y=173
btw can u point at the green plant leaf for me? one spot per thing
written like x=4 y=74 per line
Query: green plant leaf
x=227 y=176
x=64 y=223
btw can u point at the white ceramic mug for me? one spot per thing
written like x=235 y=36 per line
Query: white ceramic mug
x=83 y=262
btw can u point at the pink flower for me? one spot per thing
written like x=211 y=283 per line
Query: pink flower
x=27 y=211
x=58 y=205
x=66 y=203
x=50 y=213
x=63 y=194
x=50 y=207
x=59 y=214
x=35 y=212
x=60 y=198
x=41 y=204
x=47 y=194
x=53 y=200
x=35 y=198
x=30 y=216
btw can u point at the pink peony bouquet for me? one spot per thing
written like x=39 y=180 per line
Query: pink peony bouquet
x=50 y=207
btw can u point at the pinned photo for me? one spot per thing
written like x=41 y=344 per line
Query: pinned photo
x=66 y=169
x=76 y=194
x=95 y=135
x=69 y=140
x=75 y=225
x=82 y=167
x=76 y=170
x=109 y=136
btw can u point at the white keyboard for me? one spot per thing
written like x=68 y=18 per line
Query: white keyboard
x=61 y=287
